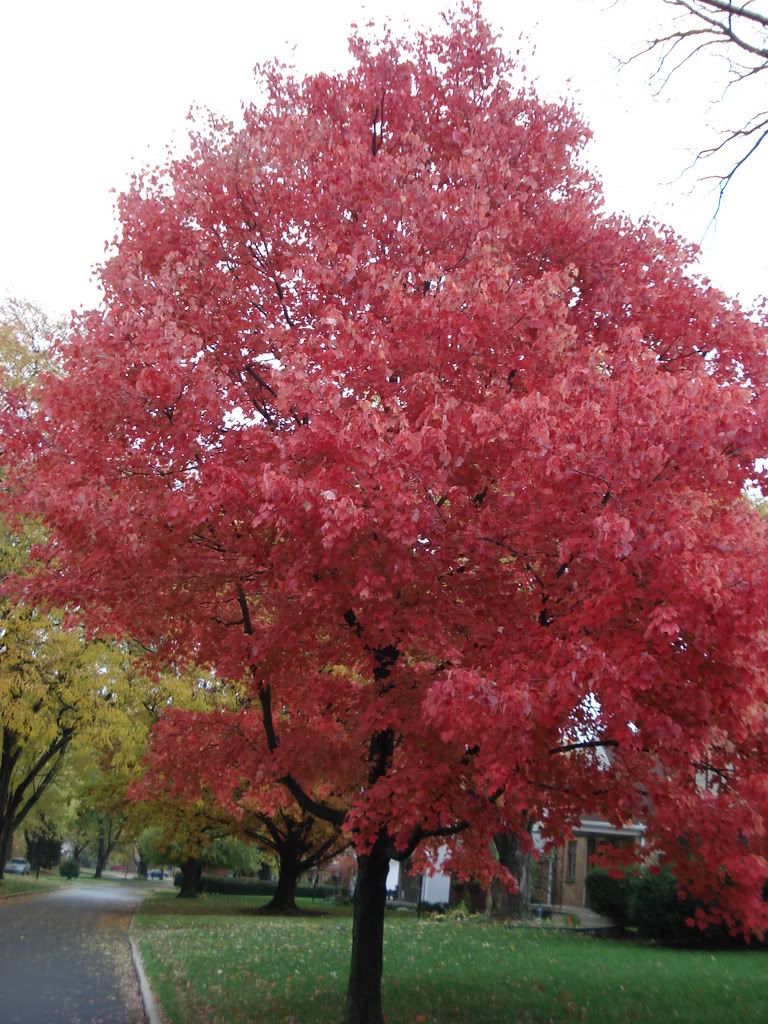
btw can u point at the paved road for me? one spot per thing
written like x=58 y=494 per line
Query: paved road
x=65 y=957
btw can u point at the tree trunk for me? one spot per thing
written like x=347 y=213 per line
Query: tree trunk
x=517 y=859
x=191 y=872
x=364 y=992
x=284 y=900
x=6 y=843
x=102 y=854
x=8 y=758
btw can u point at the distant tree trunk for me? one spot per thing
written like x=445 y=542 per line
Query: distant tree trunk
x=516 y=859
x=364 y=992
x=78 y=850
x=284 y=899
x=102 y=853
x=110 y=831
x=191 y=872
x=6 y=843
x=9 y=754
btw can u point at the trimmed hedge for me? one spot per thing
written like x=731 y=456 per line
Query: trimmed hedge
x=656 y=911
x=607 y=895
x=254 y=887
x=647 y=900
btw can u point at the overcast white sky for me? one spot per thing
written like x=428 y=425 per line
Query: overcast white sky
x=92 y=89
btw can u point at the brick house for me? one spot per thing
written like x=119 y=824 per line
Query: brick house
x=561 y=876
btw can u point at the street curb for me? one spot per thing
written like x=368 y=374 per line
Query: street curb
x=151 y=1008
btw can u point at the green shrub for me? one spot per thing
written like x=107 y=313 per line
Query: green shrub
x=655 y=909
x=69 y=869
x=318 y=892
x=607 y=895
x=647 y=899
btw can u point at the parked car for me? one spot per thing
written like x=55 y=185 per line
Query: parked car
x=18 y=866
x=156 y=873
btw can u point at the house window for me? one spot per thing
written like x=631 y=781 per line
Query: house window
x=570 y=861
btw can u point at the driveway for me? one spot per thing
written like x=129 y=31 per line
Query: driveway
x=65 y=957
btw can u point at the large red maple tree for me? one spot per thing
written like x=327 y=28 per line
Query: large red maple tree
x=384 y=410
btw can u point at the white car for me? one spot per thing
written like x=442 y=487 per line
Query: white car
x=17 y=866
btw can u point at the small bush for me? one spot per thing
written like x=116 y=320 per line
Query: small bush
x=656 y=910
x=458 y=912
x=607 y=895
x=69 y=869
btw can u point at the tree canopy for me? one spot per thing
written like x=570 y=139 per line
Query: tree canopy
x=385 y=413
x=219 y=761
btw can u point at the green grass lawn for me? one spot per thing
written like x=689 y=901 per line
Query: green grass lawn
x=16 y=885
x=210 y=961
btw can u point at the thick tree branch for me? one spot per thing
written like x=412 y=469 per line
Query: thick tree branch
x=420 y=834
x=307 y=803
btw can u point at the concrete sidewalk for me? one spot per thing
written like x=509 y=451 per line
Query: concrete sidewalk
x=580 y=917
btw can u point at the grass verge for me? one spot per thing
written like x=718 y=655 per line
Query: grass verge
x=18 y=885
x=211 y=961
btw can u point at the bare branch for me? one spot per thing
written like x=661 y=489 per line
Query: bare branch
x=737 y=32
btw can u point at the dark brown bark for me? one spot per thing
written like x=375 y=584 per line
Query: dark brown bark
x=6 y=844
x=191 y=872
x=298 y=847
x=516 y=859
x=364 y=992
x=101 y=856
x=284 y=899
x=9 y=753
x=110 y=831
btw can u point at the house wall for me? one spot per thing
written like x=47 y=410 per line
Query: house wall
x=424 y=888
x=436 y=888
x=573 y=893
x=393 y=876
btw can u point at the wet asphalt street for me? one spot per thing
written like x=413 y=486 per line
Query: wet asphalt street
x=65 y=957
